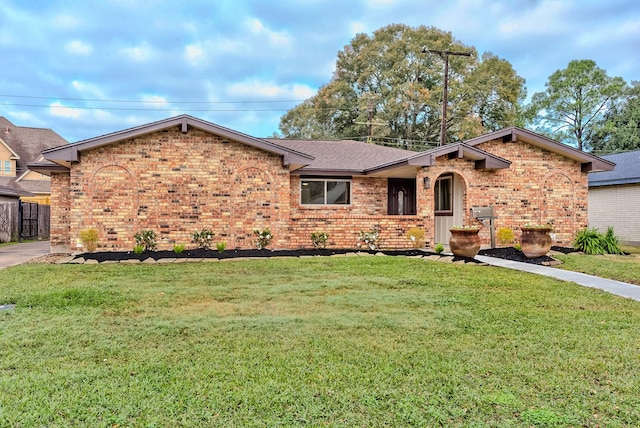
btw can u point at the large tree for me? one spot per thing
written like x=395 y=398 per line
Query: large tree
x=619 y=130
x=387 y=87
x=574 y=102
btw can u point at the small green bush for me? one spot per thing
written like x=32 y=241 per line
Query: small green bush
x=89 y=238
x=319 y=240
x=221 y=246
x=439 y=248
x=591 y=241
x=178 y=248
x=263 y=238
x=370 y=239
x=203 y=238
x=610 y=242
x=138 y=249
x=147 y=239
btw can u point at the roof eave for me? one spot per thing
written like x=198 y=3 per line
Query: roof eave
x=47 y=168
x=69 y=153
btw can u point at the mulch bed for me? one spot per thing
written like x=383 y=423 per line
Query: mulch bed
x=229 y=254
x=508 y=253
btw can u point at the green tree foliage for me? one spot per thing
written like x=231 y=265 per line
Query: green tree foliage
x=619 y=130
x=386 y=86
x=574 y=102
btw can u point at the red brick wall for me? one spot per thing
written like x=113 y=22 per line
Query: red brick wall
x=538 y=187
x=59 y=237
x=178 y=183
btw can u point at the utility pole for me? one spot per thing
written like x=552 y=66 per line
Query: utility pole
x=445 y=88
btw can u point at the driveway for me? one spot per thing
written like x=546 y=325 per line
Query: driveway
x=15 y=254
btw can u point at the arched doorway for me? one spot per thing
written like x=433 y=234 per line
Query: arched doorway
x=448 y=197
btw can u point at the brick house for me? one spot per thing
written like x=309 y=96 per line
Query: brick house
x=179 y=175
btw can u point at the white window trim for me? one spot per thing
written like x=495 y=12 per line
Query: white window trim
x=325 y=180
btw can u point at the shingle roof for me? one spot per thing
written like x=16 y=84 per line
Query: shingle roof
x=627 y=170
x=28 y=143
x=12 y=192
x=344 y=155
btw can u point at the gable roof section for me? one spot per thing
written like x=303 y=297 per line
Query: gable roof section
x=627 y=170
x=589 y=162
x=14 y=155
x=67 y=154
x=347 y=157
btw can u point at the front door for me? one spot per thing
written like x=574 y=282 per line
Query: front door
x=448 y=195
x=402 y=196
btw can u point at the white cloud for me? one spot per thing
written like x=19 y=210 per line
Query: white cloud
x=357 y=27
x=258 y=89
x=141 y=53
x=88 y=90
x=65 y=22
x=194 y=53
x=59 y=110
x=274 y=38
x=78 y=47
x=155 y=100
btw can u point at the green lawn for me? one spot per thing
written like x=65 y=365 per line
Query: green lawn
x=336 y=341
x=622 y=268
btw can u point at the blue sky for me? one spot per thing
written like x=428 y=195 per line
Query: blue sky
x=89 y=67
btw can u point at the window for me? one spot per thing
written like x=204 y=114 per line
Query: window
x=442 y=195
x=325 y=192
x=7 y=167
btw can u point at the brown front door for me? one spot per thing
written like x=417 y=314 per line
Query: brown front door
x=402 y=196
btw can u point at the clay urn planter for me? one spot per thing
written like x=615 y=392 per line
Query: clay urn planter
x=536 y=241
x=465 y=241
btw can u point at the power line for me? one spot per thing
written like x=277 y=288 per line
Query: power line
x=137 y=109
x=149 y=101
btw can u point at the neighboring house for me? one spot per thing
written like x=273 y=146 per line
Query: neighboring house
x=22 y=145
x=614 y=197
x=179 y=175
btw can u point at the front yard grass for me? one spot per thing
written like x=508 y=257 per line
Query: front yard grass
x=621 y=268
x=334 y=341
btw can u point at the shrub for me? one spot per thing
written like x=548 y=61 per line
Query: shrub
x=203 y=238
x=439 y=248
x=319 y=240
x=590 y=241
x=517 y=247
x=89 y=238
x=610 y=242
x=178 y=248
x=416 y=236
x=220 y=246
x=146 y=239
x=370 y=239
x=263 y=238
x=505 y=236
x=138 y=249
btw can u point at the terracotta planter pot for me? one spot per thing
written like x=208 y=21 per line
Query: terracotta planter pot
x=535 y=241
x=464 y=242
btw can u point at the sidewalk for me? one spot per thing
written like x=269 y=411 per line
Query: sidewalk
x=15 y=254
x=618 y=288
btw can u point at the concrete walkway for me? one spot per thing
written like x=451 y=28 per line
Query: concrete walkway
x=15 y=254
x=618 y=288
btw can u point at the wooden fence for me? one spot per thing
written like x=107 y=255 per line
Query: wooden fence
x=23 y=220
